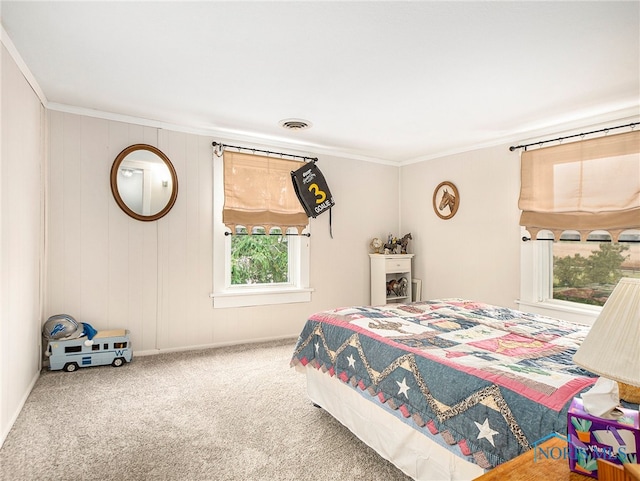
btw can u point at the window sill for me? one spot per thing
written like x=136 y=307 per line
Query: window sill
x=568 y=311
x=255 y=297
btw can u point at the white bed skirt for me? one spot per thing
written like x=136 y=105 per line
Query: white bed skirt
x=412 y=452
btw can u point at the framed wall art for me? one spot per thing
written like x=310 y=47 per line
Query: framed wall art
x=446 y=200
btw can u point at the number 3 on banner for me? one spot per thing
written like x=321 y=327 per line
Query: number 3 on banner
x=320 y=195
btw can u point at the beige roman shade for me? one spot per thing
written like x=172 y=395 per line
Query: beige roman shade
x=583 y=186
x=258 y=191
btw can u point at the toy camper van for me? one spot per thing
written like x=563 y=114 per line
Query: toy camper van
x=108 y=347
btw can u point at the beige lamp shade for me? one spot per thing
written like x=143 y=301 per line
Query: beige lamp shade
x=612 y=347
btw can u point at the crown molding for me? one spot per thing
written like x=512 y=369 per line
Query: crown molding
x=628 y=114
x=257 y=141
x=601 y=120
x=22 y=66
x=534 y=133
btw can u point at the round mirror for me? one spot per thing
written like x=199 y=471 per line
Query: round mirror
x=144 y=182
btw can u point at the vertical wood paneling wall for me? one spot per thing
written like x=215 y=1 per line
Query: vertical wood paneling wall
x=154 y=278
x=21 y=239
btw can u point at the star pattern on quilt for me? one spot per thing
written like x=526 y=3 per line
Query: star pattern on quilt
x=485 y=431
x=496 y=360
x=403 y=387
x=489 y=395
x=351 y=360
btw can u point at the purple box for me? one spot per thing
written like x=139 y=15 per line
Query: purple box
x=590 y=438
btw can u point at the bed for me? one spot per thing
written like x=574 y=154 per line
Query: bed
x=444 y=389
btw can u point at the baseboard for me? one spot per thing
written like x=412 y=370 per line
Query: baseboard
x=152 y=352
x=13 y=419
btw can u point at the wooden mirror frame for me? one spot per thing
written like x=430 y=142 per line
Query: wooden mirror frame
x=114 y=182
x=438 y=199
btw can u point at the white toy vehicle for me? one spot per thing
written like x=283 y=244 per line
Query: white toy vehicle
x=73 y=344
x=109 y=347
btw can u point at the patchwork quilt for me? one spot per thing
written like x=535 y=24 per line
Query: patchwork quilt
x=486 y=382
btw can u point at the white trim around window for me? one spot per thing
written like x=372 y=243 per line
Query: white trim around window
x=226 y=296
x=536 y=289
x=297 y=290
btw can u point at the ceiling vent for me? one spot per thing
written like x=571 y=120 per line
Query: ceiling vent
x=295 y=124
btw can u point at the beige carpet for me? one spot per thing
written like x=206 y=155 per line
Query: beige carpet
x=237 y=413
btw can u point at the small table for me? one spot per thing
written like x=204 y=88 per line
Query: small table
x=633 y=470
x=524 y=468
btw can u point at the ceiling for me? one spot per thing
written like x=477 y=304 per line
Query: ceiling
x=386 y=81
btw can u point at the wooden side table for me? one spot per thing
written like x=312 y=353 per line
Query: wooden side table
x=632 y=472
x=524 y=468
x=608 y=471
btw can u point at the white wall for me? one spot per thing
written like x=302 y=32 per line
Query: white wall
x=155 y=278
x=476 y=253
x=21 y=240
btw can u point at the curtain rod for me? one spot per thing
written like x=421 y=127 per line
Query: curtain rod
x=524 y=146
x=305 y=234
x=527 y=239
x=222 y=146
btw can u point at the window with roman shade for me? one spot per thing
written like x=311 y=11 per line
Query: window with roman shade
x=258 y=192
x=582 y=186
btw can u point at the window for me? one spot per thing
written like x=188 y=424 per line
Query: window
x=580 y=200
x=119 y=345
x=257 y=269
x=261 y=258
x=70 y=349
x=544 y=288
x=268 y=282
x=587 y=271
x=266 y=263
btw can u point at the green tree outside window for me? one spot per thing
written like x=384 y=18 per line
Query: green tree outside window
x=591 y=279
x=259 y=259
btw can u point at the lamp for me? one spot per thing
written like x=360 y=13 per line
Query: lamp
x=612 y=347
